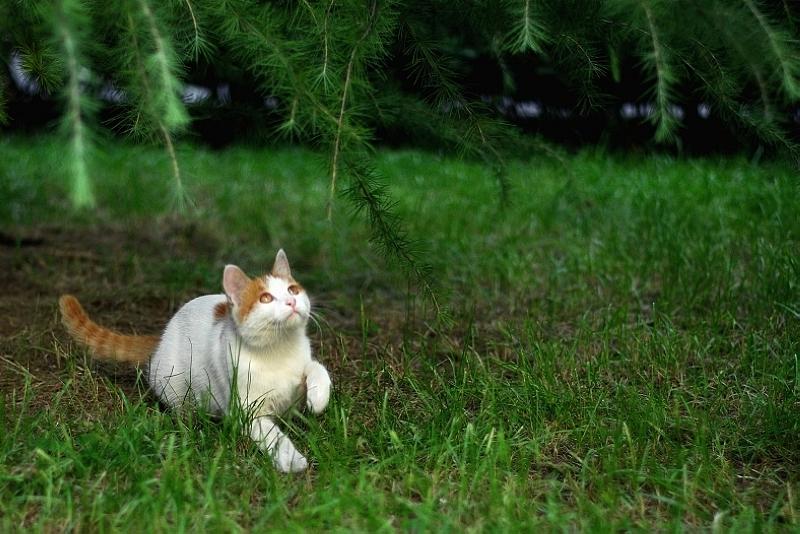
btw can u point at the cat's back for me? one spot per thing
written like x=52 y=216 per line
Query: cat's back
x=198 y=308
x=190 y=348
x=195 y=322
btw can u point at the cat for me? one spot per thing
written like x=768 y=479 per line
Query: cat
x=250 y=341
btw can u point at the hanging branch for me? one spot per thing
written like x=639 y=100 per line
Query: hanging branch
x=468 y=129
x=368 y=193
x=257 y=42
x=67 y=16
x=659 y=61
x=323 y=30
x=323 y=75
x=337 y=140
x=781 y=46
x=719 y=87
x=197 y=42
x=755 y=68
x=528 y=33
x=163 y=61
x=160 y=112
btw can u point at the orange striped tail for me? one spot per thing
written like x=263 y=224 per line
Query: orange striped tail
x=102 y=342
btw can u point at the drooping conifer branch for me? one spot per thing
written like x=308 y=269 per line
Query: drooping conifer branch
x=324 y=75
x=659 y=62
x=67 y=16
x=720 y=88
x=337 y=140
x=470 y=130
x=780 y=45
x=163 y=65
x=160 y=112
x=369 y=194
x=256 y=35
x=197 y=40
x=527 y=32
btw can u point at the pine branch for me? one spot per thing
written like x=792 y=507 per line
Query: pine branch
x=368 y=193
x=291 y=127
x=324 y=76
x=268 y=57
x=659 y=60
x=720 y=88
x=160 y=112
x=180 y=198
x=67 y=16
x=337 y=140
x=254 y=40
x=784 y=48
x=163 y=61
x=197 y=44
x=431 y=69
x=527 y=33
x=272 y=60
x=43 y=64
x=594 y=67
x=752 y=58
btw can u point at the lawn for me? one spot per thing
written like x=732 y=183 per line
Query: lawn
x=621 y=349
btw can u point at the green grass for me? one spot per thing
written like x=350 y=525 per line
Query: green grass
x=623 y=351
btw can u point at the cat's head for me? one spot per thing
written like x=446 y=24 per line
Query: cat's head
x=268 y=307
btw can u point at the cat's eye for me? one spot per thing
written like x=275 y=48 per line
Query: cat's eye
x=266 y=298
x=294 y=289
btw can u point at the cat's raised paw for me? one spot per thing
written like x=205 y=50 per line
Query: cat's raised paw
x=317 y=397
x=318 y=387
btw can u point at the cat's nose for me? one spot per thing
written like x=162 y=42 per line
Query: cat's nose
x=291 y=301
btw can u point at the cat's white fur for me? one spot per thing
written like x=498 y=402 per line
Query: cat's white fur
x=264 y=358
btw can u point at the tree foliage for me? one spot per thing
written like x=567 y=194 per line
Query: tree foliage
x=336 y=71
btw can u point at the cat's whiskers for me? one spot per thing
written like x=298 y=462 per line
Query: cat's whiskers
x=316 y=323
x=317 y=317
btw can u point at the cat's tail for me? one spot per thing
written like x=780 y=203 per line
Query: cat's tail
x=102 y=342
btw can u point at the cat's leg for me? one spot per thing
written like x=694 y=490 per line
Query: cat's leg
x=269 y=438
x=318 y=386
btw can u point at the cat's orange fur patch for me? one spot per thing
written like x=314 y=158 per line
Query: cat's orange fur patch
x=221 y=311
x=249 y=296
x=102 y=342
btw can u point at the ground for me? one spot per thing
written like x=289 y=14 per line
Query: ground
x=619 y=348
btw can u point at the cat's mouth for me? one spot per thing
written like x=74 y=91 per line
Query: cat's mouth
x=293 y=315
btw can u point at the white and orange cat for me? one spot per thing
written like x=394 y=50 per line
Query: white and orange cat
x=250 y=341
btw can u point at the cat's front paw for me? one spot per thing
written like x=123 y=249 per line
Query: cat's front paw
x=318 y=388
x=317 y=397
x=287 y=459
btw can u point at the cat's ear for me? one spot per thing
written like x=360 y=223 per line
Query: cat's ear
x=281 y=266
x=234 y=281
